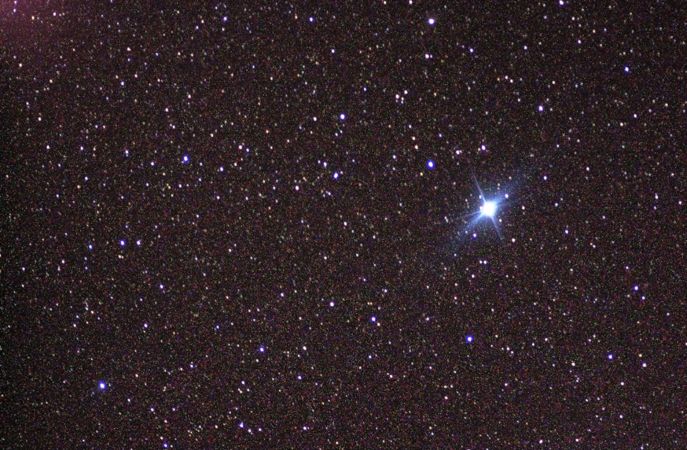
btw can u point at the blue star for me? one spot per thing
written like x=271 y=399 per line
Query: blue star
x=102 y=385
x=469 y=339
x=488 y=209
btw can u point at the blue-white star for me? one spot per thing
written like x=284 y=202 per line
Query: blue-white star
x=488 y=209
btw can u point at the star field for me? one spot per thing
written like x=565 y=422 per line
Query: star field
x=342 y=224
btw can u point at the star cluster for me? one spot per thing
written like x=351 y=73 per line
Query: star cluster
x=257 y=225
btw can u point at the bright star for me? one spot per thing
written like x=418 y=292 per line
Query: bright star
x=488 y=209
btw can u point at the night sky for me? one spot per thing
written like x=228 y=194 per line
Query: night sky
x=274 y=224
